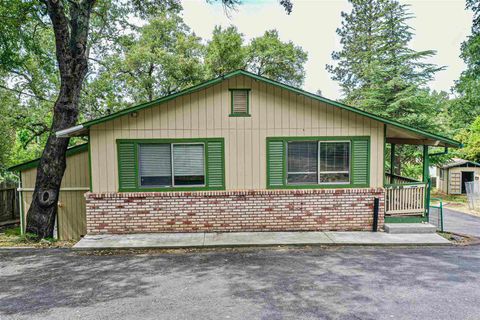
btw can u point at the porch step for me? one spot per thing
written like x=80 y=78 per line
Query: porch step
x=398 y=228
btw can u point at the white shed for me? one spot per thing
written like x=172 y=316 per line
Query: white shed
x=452 y=176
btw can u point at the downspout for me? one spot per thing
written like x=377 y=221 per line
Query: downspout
x=20 y=199
x=426 y=179
x=426 y=173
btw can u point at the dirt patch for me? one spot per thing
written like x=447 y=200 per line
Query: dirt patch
x=459 y=239
x=155 y=251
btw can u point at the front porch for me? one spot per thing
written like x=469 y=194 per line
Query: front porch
x=407 y=200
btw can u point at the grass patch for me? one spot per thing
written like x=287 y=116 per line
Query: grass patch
x=12 y=237
x=13 y=232
x=451 y=198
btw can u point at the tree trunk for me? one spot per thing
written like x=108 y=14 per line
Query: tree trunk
x=71 y=34
x=43 y=209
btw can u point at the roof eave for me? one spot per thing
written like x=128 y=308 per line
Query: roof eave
x=72 y=132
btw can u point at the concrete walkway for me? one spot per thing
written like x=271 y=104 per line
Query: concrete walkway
x=231 y=239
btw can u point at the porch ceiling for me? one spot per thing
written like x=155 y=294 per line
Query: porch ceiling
x=398 y=135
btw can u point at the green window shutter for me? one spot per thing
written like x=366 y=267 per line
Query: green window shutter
x=361 y=162
x=215 y=164
x=127 y=164
x=275 y=163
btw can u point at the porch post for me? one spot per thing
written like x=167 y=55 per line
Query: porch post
x=392 y=161
x=426 y=178
x=426 y=164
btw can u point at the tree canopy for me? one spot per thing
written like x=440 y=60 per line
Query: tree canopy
x=130 y=61
x=379 y=72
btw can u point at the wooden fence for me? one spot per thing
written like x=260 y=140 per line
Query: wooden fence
x=9 y=204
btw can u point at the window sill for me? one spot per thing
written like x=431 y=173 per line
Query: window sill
x=240 y=115
x=174 y=189
x=319 y=186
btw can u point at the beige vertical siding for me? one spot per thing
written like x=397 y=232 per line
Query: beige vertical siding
x=204 y=114
x=71 y=209
x=442 y=182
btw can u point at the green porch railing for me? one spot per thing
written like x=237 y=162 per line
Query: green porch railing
x=396 y=179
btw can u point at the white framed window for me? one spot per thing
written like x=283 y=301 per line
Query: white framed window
x=318 y=162
x=334 y=162
x=302 y=162
x=171 y=164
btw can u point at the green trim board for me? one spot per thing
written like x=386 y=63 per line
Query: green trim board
x=277 y=162
x=384 y=153
x=22 y=207
x=128 y=171
x=410 y=219
x=90 y=164
x=445 y=140
x=239 y=114
x=34 y=163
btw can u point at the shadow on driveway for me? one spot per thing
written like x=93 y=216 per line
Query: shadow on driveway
x=302 y=283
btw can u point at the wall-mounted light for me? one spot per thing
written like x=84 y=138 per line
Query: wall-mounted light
x=134 y=114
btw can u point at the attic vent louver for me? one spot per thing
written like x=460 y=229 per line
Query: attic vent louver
x=240 y=103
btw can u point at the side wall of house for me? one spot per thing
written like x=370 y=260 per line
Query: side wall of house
x=442 y=180
x=205 y=114
x=71 y=222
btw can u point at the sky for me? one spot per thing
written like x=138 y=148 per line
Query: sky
x=440 y=25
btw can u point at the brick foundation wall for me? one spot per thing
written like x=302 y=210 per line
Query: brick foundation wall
x=224 y=211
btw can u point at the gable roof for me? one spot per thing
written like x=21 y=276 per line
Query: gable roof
x=457 y=162
x=83 y=128
x=34 y=163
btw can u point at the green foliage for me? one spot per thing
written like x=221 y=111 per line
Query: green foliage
x=12 y=231
x=165 y=59
x=377 y=70
x=129 y=63
x=225 y=52
x=379 y=73
x=268 y=56
x=467 y=106
x=470 y=137
x=413 y=170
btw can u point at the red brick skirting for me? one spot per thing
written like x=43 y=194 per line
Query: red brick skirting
x=252 y=210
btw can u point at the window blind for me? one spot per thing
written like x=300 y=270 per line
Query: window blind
x=302 y=162
x=155 y=164
x=334 y=156
x=334 y=162
x=188 y=159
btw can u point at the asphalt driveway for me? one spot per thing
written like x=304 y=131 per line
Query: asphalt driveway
x=282 y=283
x=459 y=222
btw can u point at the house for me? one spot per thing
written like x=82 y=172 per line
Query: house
x=245 y=153
x=453 y=175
